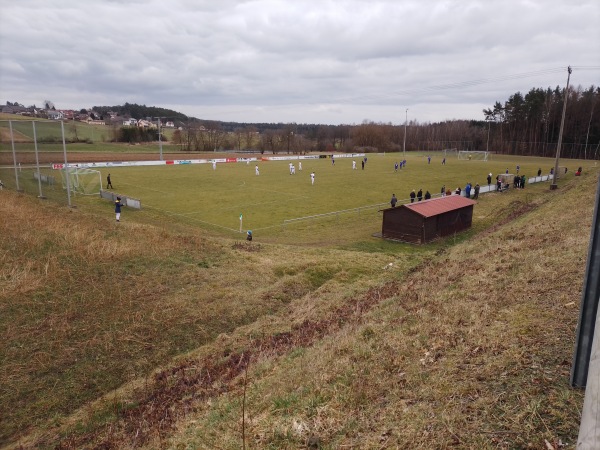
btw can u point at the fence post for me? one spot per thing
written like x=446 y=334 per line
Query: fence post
x=12 y=141
x=62 y=127
x=589 y=304
x=37 y=160
x=586 y=361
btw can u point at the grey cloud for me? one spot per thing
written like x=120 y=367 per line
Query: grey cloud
x=330 y=61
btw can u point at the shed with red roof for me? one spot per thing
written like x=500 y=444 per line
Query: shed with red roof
x=425 y=221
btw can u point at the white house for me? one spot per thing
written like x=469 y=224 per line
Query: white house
x=55 y=115
x=145 y=124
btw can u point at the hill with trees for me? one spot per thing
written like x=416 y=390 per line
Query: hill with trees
x=141 y=112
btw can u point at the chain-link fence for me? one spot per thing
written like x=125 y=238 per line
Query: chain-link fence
x=30 y=150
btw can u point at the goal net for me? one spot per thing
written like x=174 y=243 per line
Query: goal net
x=473 y=155
x=82 y=181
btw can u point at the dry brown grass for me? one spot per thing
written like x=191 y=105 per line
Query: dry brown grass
x=470 y=348
x=87 y=306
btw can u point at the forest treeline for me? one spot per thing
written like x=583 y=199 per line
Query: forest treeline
x=523 y=125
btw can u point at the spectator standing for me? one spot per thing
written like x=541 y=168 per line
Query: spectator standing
x=443 y=190
x=427 y=195
x=393 y=201
x=118 y=206
x=468 y=190
x=420 y=195
x=412 y=196
x=489 y=179
x=539 y=172
x=476 y=192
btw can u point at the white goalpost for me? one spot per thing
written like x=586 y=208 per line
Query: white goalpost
x=82 y=181
x=473 y=155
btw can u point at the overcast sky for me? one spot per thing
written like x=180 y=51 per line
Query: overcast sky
x=303 y=61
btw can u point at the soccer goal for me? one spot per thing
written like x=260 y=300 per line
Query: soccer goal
x=473 y=155
x=82 y=181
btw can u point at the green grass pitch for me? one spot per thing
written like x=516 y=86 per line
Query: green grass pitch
x=197 y=193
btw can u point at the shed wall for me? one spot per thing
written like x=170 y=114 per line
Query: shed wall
x=403 y=225
x=455 y=221
x=408 y=226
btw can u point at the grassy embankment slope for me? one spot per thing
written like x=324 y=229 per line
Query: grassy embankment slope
x=156 y=336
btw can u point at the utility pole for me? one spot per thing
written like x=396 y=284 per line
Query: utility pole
x=405 y=122
x=560 y=133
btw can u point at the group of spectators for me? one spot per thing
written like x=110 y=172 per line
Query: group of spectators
x=471 y=191
x=519 y=182
x=419 y=195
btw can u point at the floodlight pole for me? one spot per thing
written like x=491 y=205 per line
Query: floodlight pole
x=487 y=147
x=560 y=133
x=405 y=122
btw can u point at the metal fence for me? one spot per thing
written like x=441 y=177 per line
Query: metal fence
x=27 y=148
